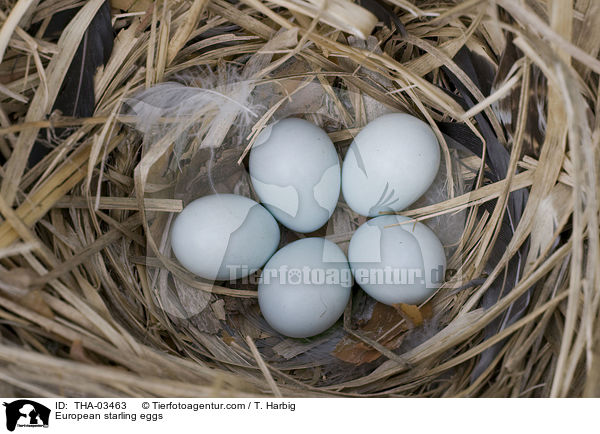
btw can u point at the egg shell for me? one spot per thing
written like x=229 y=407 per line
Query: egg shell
x=295 y=172
x=224 y=236
x=304 y=288
x=397 y=264
x=391 y=162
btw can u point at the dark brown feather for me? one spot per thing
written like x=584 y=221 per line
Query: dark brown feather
x=76 y=96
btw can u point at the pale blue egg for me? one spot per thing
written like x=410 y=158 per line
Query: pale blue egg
x=390 y=164
x=224 y=236
x=397 y=263
x=295 y=172
x=304 y=288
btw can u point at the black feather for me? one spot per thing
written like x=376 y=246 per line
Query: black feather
x=76 y=96
x=57 y=23
x=485 y=72
x=497 y=159
x=508 y=107
x=384 y=14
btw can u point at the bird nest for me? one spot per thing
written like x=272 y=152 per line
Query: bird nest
x=103 y=142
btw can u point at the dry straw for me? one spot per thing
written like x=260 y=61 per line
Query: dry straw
x=78 y=315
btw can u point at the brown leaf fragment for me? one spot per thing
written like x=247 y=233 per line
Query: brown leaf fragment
x=385 y=327
x=411 y=313
x=227 y=338
x=427 y=311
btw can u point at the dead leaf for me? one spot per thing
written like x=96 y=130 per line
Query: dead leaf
x=227 y=338
x=385 y=327
x=411 y=313
x=427 y=311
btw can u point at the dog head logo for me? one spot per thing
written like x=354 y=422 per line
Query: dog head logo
x=26 y=413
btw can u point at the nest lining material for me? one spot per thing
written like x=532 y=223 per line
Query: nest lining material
x=79 y=310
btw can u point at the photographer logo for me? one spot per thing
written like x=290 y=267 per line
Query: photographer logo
x=25 y=413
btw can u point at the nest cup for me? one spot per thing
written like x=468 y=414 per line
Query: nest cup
x=197 y=169
x=95 y=294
